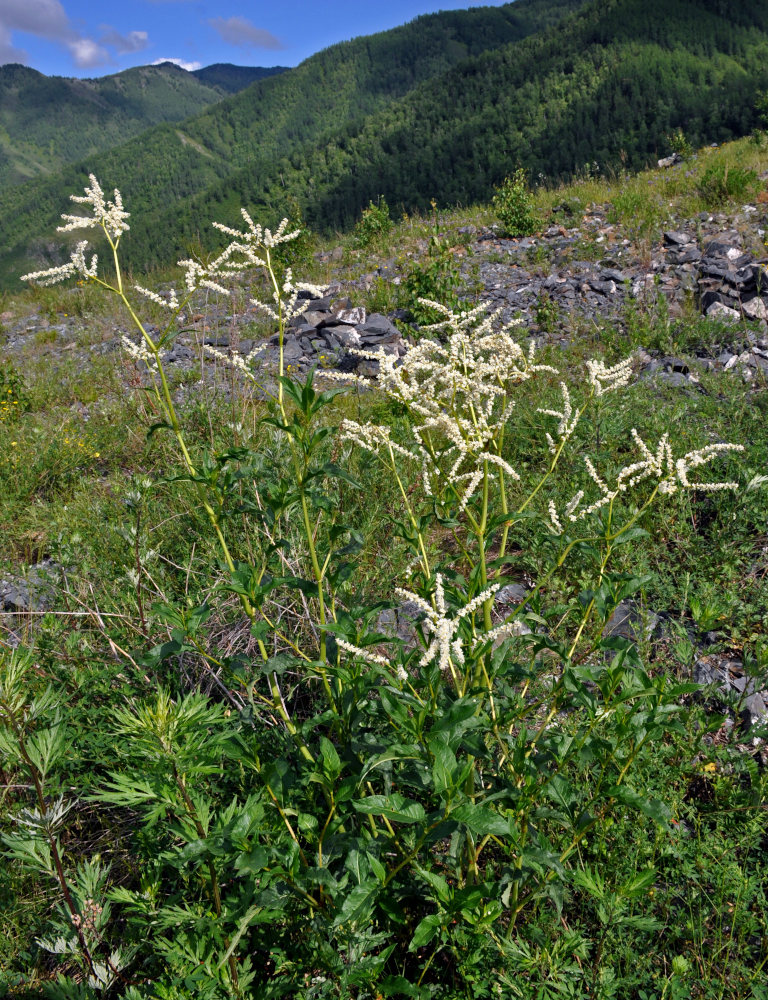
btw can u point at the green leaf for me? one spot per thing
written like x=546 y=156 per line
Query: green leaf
x=358 y=906
x=252 y=862
x=242 y=927
x=438 y=883
x=425 y=931
x=653 y=808
x=333 y=471
x=159 y=426
x=480 y=820
x=331 y=761
x=640 y=884
x=397 y=986
x=444 y=766
x=631 y=535
x=394 y=807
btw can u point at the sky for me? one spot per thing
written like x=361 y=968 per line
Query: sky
x=89 y=38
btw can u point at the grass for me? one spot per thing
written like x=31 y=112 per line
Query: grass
x=82 y=482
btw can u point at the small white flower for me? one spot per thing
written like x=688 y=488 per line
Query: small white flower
x=446 y=645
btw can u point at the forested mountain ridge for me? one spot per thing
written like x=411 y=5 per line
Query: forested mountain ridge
x=603 y=82
x=231 y=79
x=48 y=121
x=605 y=86
x=337 y=87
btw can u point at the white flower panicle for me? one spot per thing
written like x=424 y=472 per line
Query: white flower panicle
x=446 y=645
x=603 y=379
x=107 y=215
x=139 y=352
x=77 y=264
x=171 y=302
x=364 y=654
x=249 y=248
x=568 y=420
x=458 y=394
x=670 y=475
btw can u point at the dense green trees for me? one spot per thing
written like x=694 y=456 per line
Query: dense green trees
x=601 y=81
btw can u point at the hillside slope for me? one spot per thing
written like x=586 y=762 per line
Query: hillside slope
x=339 y=87
x=606 y=86
x=48 y=121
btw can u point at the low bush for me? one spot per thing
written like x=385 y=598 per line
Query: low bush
x=513 y=205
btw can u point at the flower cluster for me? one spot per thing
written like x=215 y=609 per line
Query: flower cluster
x=107 y=215
x=249 y=249
x=445 y=645
x=659 y=466
x=458 y=393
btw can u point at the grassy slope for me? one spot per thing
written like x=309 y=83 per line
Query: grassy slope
x=712 y=864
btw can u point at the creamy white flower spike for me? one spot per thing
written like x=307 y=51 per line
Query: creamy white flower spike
x=109 y=215
x=77 y=264
x=364 y=654
x=171 y=302
x=139 y=352
x=603 y=379
x=446 y=646
x=670 y=475
x=458 y=394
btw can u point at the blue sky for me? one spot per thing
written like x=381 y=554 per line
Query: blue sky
x=95 y=37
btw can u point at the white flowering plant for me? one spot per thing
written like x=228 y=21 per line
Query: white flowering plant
x=361 y=813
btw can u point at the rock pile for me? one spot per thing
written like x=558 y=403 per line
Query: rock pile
x=327 y=332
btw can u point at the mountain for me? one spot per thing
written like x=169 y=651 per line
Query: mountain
x=48 y=121
x=606 y=85
x=336 y=88
x=230 y=79
x=442 y=108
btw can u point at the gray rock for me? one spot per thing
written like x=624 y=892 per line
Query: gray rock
x=347 y=336
x=677 y=238
x=179 y=353
x=310 y=317
x=292 y=349
x=755 y=309
x=400 y=622
x=512 y=594
x=350 y=317
x=31 y=591
x=723 y=314
x=747 y=695
x=376 y=323
x=669 y=161
x=630 y=621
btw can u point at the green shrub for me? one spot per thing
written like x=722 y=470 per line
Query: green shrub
x=512 y=203
x=374 y=223
x=436 y=278
x=678 y=143
x=721 y=183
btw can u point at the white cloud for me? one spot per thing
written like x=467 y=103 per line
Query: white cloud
x=8 y=52
x=87 y=54
x=134 y=41
x=240 y=32
x=45 y=18
x=48 y=19
x=188 y=66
